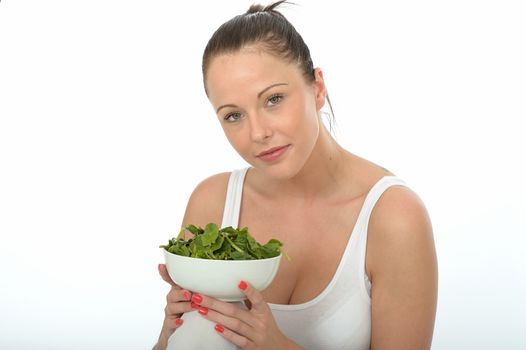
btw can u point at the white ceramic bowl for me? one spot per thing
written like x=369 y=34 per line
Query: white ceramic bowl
x=219 y=278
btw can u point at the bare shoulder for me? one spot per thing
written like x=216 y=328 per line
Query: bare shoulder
x=400 y=206
x=401 y=263
x=399 y=221
x=207 y=201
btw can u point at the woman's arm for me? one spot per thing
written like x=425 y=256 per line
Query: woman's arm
x=401 y=262
x=162 y=343
x=177 y=303
x=204 y=205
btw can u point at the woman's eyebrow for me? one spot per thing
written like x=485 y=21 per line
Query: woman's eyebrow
x=270 y=87
x=259 y=95
x=224 y=106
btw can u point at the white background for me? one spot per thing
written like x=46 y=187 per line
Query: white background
x=105 y=130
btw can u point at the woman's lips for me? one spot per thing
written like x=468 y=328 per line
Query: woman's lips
x=273 y=153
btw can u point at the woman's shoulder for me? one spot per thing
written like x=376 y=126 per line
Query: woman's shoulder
x=399 y=225
x=398 y=205
x=212 y=184
x=206 y=203
x=399 y=218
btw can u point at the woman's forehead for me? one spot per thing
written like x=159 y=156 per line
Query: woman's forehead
x=247 y=69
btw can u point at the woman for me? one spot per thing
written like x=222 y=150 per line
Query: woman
x=363 y=272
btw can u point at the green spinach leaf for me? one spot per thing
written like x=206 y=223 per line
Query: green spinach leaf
x=222 y=244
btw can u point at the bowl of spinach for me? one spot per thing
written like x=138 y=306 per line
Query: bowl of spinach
x=213 y=261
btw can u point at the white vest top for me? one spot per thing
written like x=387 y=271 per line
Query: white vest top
x=340 y=316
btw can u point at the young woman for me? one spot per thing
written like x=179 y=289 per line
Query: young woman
x=363 y=272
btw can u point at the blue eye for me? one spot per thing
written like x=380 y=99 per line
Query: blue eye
x=232 y=117
x=274 y=99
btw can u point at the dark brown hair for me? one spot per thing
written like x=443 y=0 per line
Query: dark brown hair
x=265 y=27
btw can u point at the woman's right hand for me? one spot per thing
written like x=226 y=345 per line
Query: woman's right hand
x=178 y=301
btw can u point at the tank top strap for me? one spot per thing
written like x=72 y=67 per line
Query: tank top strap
x=234 y=194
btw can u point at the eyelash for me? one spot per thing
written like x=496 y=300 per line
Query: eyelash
x=278 y=96
x=227 y=117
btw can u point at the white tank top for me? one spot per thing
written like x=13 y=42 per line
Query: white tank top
x=340 y=316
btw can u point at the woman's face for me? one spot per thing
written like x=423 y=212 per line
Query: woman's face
x=268 y=111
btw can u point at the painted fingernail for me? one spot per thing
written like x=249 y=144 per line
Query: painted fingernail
x=242 y=285
x=219 y=328
x=203 y=310
x=194 y=305
x=196 y=298
x=178 y=321
x=186 y=295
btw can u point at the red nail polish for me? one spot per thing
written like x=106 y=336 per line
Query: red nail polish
x=219 y=328
x=194 y=305
x=203 y=310
x=242 y=285
x=178 y=321
x=186 y=295
x=196 y=298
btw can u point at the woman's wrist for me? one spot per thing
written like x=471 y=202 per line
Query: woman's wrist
x=162 y=343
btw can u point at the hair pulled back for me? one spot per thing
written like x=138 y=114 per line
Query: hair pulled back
x=266 y=28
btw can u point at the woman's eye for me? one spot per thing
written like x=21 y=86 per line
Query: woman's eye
x=232 y=117
x=274 y=99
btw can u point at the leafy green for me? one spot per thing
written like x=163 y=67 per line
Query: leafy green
x=221 y=244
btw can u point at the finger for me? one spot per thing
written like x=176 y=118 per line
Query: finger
x=233 y=337
x=173 y=323
x=163 y=271
x=233 y=324
x=177 y=309
x=257 y=302
x=177 y=294
x=228 y=309
x=177 y=301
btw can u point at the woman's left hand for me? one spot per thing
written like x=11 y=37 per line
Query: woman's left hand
x=250 y=329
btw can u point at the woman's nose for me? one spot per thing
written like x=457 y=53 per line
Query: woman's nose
x=259 y=128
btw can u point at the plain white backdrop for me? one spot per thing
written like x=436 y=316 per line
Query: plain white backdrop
x=105 y=130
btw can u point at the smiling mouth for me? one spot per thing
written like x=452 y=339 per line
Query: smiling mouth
x=270 y=151
x=273 y=153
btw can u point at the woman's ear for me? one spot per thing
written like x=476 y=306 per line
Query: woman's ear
x=320 y=91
